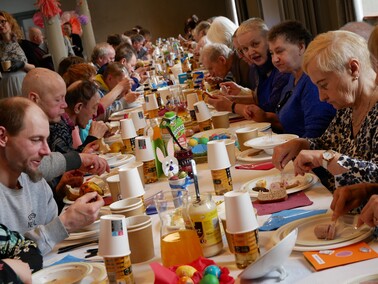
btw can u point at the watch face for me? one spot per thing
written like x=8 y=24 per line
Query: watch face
x=328 y=155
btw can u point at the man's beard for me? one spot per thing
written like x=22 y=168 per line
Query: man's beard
x=35 y=176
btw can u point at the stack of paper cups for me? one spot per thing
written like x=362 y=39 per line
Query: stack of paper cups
x=202 y=111
x=151 y=102
x=127 y=128
x=131 y=185
x=217 y=156
x=139 y=120
x=219 y=164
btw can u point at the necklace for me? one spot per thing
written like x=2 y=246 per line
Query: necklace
x=358 y=120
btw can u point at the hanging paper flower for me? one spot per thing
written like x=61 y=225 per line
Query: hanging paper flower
x=83 y=19
x=48 y=8
x=38 y=20
x=76 y=27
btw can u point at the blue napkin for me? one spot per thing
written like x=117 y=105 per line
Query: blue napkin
x=286 y=216
x=68 y=258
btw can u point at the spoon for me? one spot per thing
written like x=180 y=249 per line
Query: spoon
x=195 y=179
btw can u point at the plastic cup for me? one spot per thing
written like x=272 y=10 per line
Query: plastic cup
x=222 y=217
x=217 y=156
x=127 y=128
x=137 y=116
x=240 y=215
x=139 y=230
x=151 y=102
x=230 y=147
x=113 y=239
x=244 y=134
x=202 y=111
x=191 y=99
x=6 y=65
x=143 y=149
x=139 y=166
x=131 y=184
x=114 y=187
x=221 y=119
x=119 y=269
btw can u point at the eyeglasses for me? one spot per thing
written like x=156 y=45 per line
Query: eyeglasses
x=3 y=22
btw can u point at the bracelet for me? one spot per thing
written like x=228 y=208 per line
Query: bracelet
x=233 y=107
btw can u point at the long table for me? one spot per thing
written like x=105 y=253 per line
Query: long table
x=299 y=270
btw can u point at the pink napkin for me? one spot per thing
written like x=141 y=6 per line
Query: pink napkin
x=297 y=199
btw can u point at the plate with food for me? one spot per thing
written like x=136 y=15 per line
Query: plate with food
x=91 y=184
x=318 y=233
x=254 y=156
x=292 y=183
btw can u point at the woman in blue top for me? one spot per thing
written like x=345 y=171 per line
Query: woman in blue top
x=299 y=111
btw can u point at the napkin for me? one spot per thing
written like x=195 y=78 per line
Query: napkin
x=281 y=218
x=261 y=167
x=68 y=258
x=295 y=200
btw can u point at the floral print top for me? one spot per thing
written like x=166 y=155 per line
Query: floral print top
x=11 y=51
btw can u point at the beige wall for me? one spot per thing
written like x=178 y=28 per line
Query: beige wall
x=163 y=18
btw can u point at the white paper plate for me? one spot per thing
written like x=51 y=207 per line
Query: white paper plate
x=364 y=279
x=97 y=275
x=272 y=260
x=83 y=235
x=66 y=273
x=267 y=142
x=304 y=182
x=308 y=234
x=121 y=114
x=262 y=126
x=260 y=157
x=121 y=160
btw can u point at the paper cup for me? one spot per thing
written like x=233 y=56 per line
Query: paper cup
x=240 y=215
x=114 y=187
x=192 y=98
x=230 y=146
x=151 y=102
x=244 y=134
x=139 y=230
x=6 y=65
x=164 y=93
x=127 y=128
x=131 y=185
x=143 y=149
x=176 y=70
x=217 y=156
x=113 y=240
x=220 y=119
x=128 y=207
x=138 y=119
x=139 y=166
x=202 y=111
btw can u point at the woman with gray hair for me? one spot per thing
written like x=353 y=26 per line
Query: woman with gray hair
x=221 y=31
x=338 y=62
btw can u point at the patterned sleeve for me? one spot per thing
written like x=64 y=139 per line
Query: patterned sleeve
x=358 y=171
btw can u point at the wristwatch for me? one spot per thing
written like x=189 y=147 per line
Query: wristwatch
x=327 y=157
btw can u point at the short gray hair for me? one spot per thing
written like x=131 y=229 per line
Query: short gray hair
x=100 y=50
x=212 y=51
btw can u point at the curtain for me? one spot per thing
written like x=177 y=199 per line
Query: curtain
x=319 y=15
x=248 y=8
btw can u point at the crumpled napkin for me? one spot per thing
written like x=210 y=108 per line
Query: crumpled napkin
x=281 y=218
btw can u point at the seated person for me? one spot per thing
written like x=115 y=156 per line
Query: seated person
x=102 y=53
x=27 y=204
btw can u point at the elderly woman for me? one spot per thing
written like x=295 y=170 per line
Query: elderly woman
x=10 y=50
x=265 y=80
x=338 y=62
x=299 y=110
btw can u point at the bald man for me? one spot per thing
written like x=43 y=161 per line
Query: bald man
x=27 y=203
x=48 y=90
x=34 y=53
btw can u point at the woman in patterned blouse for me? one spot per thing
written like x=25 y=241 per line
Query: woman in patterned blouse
x=338 y=62
x=10 y=50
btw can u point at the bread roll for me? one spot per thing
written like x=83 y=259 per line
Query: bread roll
x=325 y=231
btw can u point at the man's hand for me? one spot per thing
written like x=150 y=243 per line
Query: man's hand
x=98 y=129
x=73 y=178
x=221 y=103
x=91 y=163
x=83 y=212
x=233 y=89
x=131 y=97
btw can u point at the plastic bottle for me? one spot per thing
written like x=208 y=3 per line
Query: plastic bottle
x=153 y=131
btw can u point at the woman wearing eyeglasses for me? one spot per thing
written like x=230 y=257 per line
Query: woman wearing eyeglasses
x=12 y=57
x=299 y=110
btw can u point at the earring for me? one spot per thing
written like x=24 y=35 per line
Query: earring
x=355 y=78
